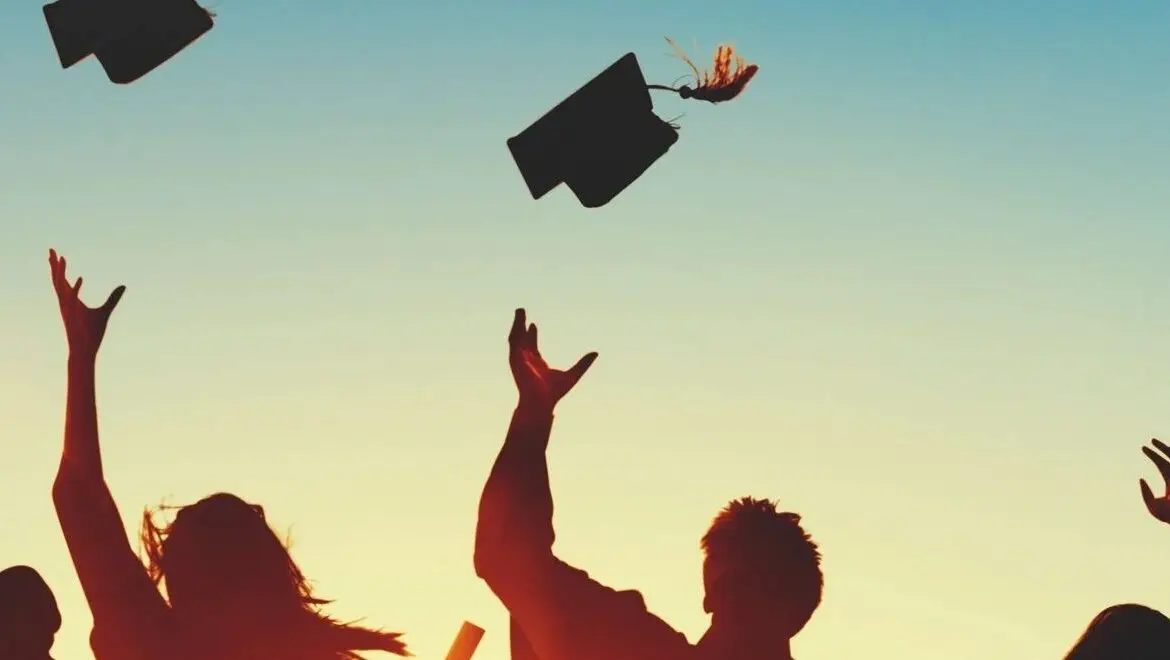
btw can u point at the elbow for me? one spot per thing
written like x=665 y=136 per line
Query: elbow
x=486 y=559
x=62 y=483
x=501 y=561
x=71 y=486
x=64 y=487
x=495 y=558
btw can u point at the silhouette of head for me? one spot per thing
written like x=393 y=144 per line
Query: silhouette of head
x=230 y=579
x=761 y=570
x=1124 y=632
x=29 y=618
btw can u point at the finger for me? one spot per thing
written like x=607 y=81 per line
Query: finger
x=516 y=334
x=58 y=269
x=112 y=301
x=1161 y=446
x=77 y=287
x=530 y=339
x=54 y=269
x=1148 y=495
x=578 y=370
x=1159 y=460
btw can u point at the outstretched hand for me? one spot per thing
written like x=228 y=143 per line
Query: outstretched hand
x=84 y=326
x=540 y=386
x=1159 y=506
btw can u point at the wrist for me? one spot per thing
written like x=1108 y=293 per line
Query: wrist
x=533 y=414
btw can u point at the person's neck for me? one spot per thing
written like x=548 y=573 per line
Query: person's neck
x=722 y=642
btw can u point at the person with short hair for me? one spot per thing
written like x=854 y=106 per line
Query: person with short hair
x=29 y=618
x=761 y=571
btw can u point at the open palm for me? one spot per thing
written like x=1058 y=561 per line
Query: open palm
x=84 y=326
x=1159 y=506
x=539 y=384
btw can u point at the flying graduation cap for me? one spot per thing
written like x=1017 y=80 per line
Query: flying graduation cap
x=605 y=135
x=130 y=38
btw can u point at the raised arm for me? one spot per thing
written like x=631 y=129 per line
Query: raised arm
x=558 y=612
x=516 y=509
x=114 y=581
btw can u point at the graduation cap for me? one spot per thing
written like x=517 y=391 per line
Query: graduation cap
x=130 y=38
x=597 y=141
x=606 y=135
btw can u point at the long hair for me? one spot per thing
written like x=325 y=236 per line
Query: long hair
x=1132 y=632
x=223 y=540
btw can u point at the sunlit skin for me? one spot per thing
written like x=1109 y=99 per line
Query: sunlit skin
x=761 y=574
x=233 y=590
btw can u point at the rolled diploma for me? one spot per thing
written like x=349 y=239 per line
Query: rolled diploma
x=465 y=642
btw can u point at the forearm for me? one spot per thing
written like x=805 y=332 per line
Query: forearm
x=81 y=455
x=515 y=511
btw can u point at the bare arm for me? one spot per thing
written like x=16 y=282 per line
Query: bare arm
x=120 y=594
x=558 y=611
x=514 y=534
x=81 y=456
x=114 y=581
x=516 y=508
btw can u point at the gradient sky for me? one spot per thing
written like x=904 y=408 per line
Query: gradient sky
x=912 y=284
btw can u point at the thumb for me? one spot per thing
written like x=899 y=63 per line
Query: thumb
x=112 y=301
x=1148 y=495
x=578 y=370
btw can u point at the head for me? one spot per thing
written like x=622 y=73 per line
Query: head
x=1133 y=632
x=228 y=575
x=29 y=618
x=761 y=570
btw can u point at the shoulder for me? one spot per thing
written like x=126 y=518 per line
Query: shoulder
x=629 y=629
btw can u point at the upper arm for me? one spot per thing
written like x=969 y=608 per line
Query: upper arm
x=565 y=614
x=120 y=594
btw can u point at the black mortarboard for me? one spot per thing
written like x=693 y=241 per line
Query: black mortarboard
x=130 y=38
x=597 y=141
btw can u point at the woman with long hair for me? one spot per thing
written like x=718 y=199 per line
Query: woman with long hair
x=233 y=592
x=1124 y=632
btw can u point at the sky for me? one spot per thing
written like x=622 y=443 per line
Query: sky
x=907 y=284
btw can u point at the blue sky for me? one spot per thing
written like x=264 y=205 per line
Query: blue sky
x=910 y=284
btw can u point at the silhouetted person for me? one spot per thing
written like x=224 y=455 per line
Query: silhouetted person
x=1133 y=632
x=1125 y=632
x=761 y=572
x=29 y=618
x=234 y=593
